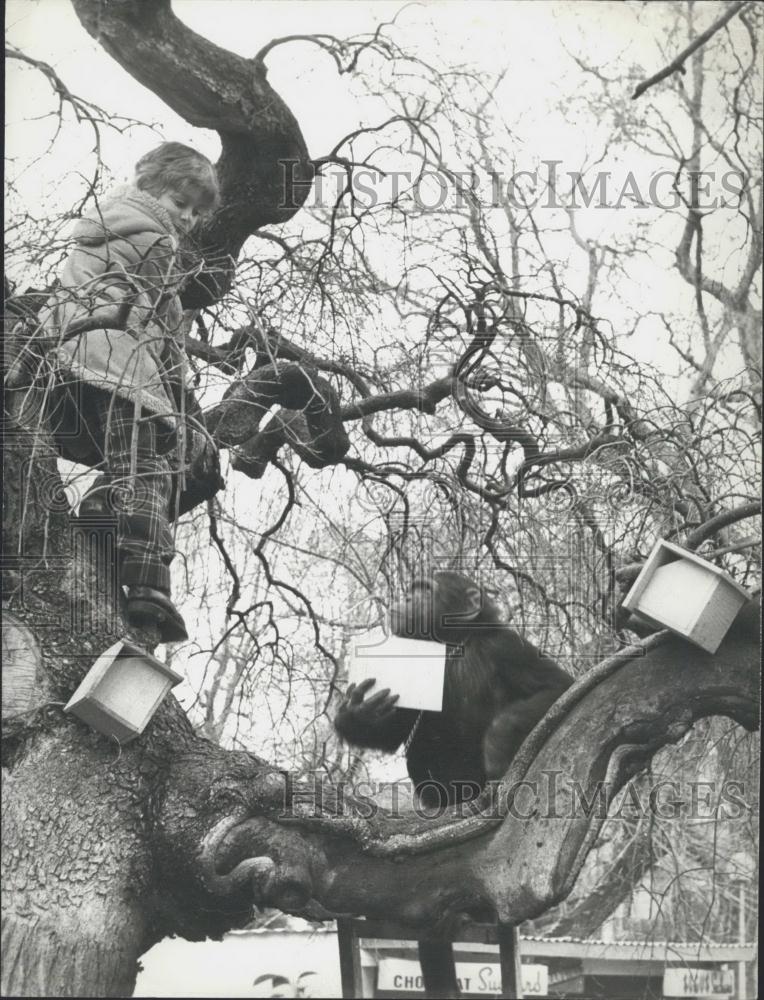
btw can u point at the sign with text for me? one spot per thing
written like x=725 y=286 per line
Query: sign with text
x=410 y=668
x=482 y=978
x=686 y=982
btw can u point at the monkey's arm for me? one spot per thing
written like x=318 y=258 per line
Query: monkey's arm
x=534 y=682
x=509 y=729
x=374 y=722
x=526 y=671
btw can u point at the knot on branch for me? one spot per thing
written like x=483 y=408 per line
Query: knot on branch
x=310 y=420
x=244 y=404
x=316 y=433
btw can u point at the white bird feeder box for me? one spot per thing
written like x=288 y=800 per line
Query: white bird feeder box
x=411 y=668
x=678 y=590
x=121 y=691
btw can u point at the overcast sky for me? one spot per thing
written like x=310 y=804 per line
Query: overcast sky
x=526 y=39
x=529 y=41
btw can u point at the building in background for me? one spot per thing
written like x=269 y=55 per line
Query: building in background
x=298 y=960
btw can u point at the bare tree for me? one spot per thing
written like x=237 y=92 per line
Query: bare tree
x=501 y=392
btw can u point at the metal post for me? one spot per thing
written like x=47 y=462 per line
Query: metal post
x=741 y=970
x=436 y=958
x=509 y=955
x=350 y=959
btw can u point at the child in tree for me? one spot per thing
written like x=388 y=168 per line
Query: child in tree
x=116 y=318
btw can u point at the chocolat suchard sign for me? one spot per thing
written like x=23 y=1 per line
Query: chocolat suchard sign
x=404 y=975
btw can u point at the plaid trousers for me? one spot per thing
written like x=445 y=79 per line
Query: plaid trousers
x=135 y=489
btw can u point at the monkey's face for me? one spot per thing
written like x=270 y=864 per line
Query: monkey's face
x=444 y=608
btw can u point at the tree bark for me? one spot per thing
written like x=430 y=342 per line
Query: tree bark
x=76 y=871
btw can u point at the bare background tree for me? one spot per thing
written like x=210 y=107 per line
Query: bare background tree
x=530 y=377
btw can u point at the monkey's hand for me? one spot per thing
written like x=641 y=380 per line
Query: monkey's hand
x=362 y=720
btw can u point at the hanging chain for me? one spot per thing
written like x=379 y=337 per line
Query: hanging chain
x=412 y=734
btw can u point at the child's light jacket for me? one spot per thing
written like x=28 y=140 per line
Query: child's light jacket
x=117 y=316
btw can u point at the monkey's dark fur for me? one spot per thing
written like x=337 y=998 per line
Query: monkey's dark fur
x=497 y=687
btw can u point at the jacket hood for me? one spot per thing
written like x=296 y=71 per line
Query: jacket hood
x=123 y=213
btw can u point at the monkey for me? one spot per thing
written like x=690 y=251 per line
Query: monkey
x=497 y=687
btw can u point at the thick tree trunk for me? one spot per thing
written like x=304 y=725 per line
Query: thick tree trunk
x=76 y=872
x=76 y=860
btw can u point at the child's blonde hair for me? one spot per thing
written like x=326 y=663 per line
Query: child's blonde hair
x=175 y=167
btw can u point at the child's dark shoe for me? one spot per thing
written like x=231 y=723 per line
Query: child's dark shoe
x=147 y=606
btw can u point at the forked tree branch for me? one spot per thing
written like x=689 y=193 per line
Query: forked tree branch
x=677 y=64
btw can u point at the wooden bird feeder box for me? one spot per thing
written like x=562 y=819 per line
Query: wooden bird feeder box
x=121 y=691
x=678 y=590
